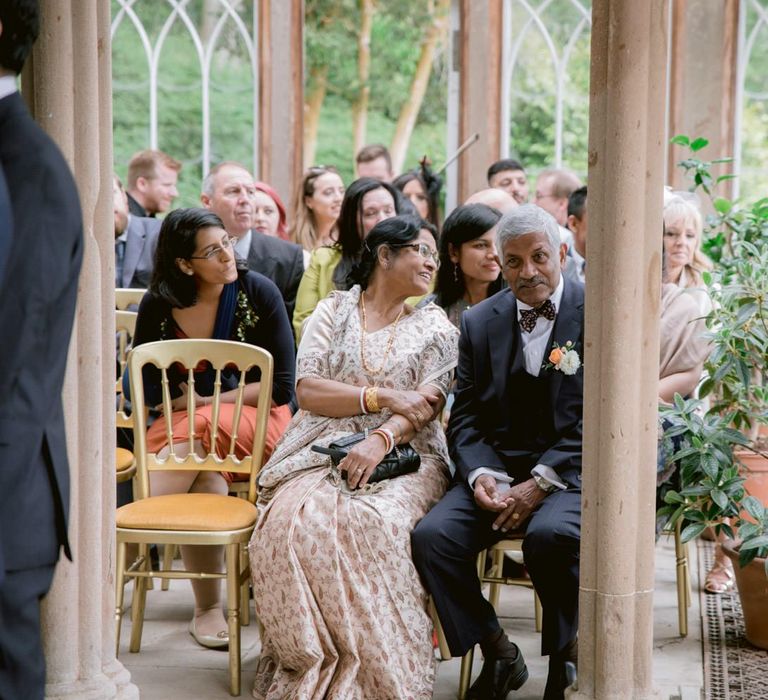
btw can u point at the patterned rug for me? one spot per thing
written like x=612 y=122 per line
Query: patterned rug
x=733 y=668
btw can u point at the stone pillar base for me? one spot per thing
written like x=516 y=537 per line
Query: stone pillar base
x=95 y=688
x=121 y=677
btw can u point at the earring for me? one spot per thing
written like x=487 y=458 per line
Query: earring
x=455 y=272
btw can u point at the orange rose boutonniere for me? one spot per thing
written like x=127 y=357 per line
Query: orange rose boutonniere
x=564 y=358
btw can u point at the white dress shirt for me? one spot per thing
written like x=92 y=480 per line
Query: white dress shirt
x=243 y=245
x=535 y=347
x=7 y=85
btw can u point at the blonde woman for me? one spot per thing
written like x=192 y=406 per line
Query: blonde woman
x=683 y=260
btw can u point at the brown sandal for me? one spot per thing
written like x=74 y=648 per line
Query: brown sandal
x=719 y=578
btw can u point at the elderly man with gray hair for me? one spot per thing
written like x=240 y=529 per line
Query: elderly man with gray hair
x=515 y=439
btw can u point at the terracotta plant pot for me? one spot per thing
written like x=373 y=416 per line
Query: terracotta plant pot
x=752 y=583
x=755 y=470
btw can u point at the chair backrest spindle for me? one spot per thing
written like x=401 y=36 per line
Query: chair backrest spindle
x=189 y=354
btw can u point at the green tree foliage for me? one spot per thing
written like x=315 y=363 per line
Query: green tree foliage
x=330 y=40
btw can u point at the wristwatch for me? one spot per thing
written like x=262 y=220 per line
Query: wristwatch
x=543 y=484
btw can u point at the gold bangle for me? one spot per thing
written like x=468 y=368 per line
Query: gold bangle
x=372 y=399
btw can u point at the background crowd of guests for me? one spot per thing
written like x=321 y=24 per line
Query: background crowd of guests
x=384 y=300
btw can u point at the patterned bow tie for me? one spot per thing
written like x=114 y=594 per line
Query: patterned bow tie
x=528 y=316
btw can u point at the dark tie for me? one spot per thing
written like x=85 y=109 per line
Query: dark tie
x=119 y=257
x=528 y=316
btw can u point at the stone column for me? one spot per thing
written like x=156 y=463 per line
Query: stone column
x=480 y=50
x=702 y=94
x=68 y=86
x=281 y=94
x=626 y=159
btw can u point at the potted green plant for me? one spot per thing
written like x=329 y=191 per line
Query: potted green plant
x=722 y=455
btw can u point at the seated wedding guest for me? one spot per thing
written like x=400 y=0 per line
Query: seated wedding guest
x=469 y=270
x=518 y=460
x=374 y=161
x=269 y=212
x=135 y=242
x=343 y=611
x=422 y=187
x=229 y=192
x=509 y=175
x=493 y=197
x=152 y=177
x=575 y=265
x=684 y=262
x=366 y=202
x=199 y=291
x=318 y=204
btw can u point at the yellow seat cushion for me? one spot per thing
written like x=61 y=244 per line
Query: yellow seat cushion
x=123 y=459
x=206 y=512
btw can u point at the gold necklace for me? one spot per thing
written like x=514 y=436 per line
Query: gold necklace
x=374 y=372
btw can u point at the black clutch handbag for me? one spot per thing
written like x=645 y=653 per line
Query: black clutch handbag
x=403 y=459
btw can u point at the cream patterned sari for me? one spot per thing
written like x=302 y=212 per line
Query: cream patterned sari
x=340 y=601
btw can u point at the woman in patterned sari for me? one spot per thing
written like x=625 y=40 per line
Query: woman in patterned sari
x=342 y=607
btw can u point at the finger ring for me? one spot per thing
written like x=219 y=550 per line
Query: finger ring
x=515 y=516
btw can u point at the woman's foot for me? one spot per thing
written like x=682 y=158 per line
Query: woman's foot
x=719 y=578
x=209 y=628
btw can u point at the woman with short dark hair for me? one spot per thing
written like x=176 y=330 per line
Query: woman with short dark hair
x=343 y=610
x=197 y=291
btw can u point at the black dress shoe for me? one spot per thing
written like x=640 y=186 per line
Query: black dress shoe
x=498 y=677
x=562 y=675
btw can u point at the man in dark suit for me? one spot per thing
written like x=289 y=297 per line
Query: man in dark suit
x=515 y=438
x=135 y=242
x=228 y=191
x=37 y=307
x=5 y=228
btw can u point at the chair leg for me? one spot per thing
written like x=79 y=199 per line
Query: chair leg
x=537 y=612
x=233 y=615
x=683 y=583
x=139 y=600
x=169 y=552
x=465 y=675
x=119 y=592
x=498 y=570
x=245 y=587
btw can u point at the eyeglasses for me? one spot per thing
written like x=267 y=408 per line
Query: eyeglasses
x=227 y=244
x=424 y=250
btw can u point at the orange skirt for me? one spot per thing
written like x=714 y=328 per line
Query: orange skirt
x=279 y=417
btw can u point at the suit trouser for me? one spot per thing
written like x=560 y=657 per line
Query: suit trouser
x=22 y=664
x=445 y=547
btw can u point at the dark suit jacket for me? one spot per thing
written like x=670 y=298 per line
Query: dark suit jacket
x=280 y=261
x=484 y=426
x=135 y=208
x=37 y=307
x=140 y=247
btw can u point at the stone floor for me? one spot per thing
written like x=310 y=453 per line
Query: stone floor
x=172 y=666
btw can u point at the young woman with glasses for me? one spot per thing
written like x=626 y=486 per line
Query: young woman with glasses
x=198 y=291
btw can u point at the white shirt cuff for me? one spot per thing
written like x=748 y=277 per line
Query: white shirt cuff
x=501 y=477
x=550 y=475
